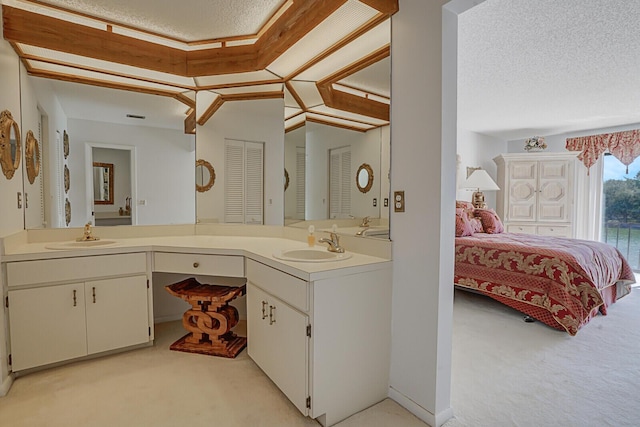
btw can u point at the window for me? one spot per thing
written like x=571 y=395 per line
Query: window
x=243 y=184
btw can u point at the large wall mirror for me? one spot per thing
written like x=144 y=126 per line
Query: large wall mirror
x=153 y=157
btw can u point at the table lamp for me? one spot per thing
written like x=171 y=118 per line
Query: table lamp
x=480 y=181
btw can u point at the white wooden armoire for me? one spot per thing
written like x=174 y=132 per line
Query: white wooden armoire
x=537 y=193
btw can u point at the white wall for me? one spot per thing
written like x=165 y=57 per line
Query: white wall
x=259 y=121
x=478 y=150
x=11 y=218
x=423 y=164
x=292 y=140
x=165 y=164
x=54 y=125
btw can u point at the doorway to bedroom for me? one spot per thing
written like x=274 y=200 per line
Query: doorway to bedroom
x=621 y=208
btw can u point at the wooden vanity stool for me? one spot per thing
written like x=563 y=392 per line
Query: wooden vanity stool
x=210 y=318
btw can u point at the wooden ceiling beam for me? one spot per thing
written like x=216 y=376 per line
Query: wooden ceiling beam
x=21 y=26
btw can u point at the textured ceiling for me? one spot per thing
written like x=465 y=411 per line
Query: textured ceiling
x=548 y=66
x=185 y=20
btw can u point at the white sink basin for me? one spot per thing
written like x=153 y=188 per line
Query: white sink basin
x=310 y=255
x=85 y=244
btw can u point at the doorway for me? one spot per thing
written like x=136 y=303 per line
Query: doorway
x=110 y=171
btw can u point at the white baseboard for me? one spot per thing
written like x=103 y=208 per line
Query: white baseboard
x=434 y=420
x=170 y=318
x=6 y=385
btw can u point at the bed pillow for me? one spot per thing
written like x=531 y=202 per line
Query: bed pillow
x=490 y=221
x=464 y=227
x=468 y=209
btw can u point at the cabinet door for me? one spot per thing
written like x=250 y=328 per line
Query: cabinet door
x=522 y=189
x=47 y=325
x=278 y=343
x=117 y=313
x=554 y=201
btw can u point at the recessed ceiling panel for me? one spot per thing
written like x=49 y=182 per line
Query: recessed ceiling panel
x=291 y=112
x=308 y=92
x=99 y=77
x=189 y=21
x=111 y=67
x=323 y=109
x=229 y=79
x=358 y=92
x=294 y=121
x=340 y=24
x=371 y=41
x=250 y=89
x=376 y=78
x=339 y=122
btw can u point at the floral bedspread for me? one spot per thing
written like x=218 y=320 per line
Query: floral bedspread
x=560 y=275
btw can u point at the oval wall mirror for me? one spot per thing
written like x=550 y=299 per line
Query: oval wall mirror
x=65 y=144
x=205 y=176
x=364 y=178
x=10 y=146
x=32 y=157
x=67 y=211
x=67 y=179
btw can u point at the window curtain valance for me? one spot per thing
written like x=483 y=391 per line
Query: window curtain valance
x=625 y=146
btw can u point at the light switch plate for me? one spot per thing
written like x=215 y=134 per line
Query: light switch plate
x=398 y=201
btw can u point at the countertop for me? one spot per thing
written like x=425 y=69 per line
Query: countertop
x=260 y=249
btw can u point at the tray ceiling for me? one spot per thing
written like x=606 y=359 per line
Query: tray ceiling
x=236 y=49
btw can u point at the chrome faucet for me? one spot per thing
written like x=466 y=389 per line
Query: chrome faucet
x=365 y=222
x=333 y=242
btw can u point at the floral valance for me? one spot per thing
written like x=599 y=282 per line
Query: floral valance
x=625 y=146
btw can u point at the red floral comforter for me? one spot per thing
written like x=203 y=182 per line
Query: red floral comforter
x=565 y=277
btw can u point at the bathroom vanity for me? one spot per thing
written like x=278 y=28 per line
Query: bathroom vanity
x=310 y=325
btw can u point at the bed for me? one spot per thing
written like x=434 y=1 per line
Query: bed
x=559 y=281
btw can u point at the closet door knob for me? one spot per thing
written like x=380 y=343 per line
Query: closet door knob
x=196 y=264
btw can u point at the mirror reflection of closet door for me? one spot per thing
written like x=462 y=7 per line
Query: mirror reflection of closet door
x=340 y=182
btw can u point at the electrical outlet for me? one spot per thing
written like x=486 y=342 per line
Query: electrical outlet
x=386 y=202
x=375 y=202
x=398 y=201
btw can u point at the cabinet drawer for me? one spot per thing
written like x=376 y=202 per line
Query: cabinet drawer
x=554 y=230
x=209 y=265
x=75 y=269
x=519 y=228
x=290 y=289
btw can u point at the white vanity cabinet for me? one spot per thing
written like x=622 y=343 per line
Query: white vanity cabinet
x=61 y=309
x=325 y=343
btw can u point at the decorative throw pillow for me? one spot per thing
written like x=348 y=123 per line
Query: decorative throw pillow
x=468 y=210
x=490 y=221
x=476 y=224
x=464 y=226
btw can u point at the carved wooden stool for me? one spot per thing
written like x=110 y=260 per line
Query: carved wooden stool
x=210 y=319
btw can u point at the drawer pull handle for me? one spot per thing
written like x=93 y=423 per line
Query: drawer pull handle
x=264 y=310
x=272 y=318
x=196 y=264
x=94 y=294
x=75 y=300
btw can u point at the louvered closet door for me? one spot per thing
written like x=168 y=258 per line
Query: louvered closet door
x=244 y=182
x=340 y=182
x=254 y=177
x=301 y=173
x=234 y=181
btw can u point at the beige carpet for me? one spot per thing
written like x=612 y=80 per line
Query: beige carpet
x=510 y=373
x=505 y=373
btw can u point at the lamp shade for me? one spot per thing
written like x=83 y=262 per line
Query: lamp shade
x=481 y=181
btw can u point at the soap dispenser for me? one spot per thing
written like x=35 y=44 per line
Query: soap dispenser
x=311 y=239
